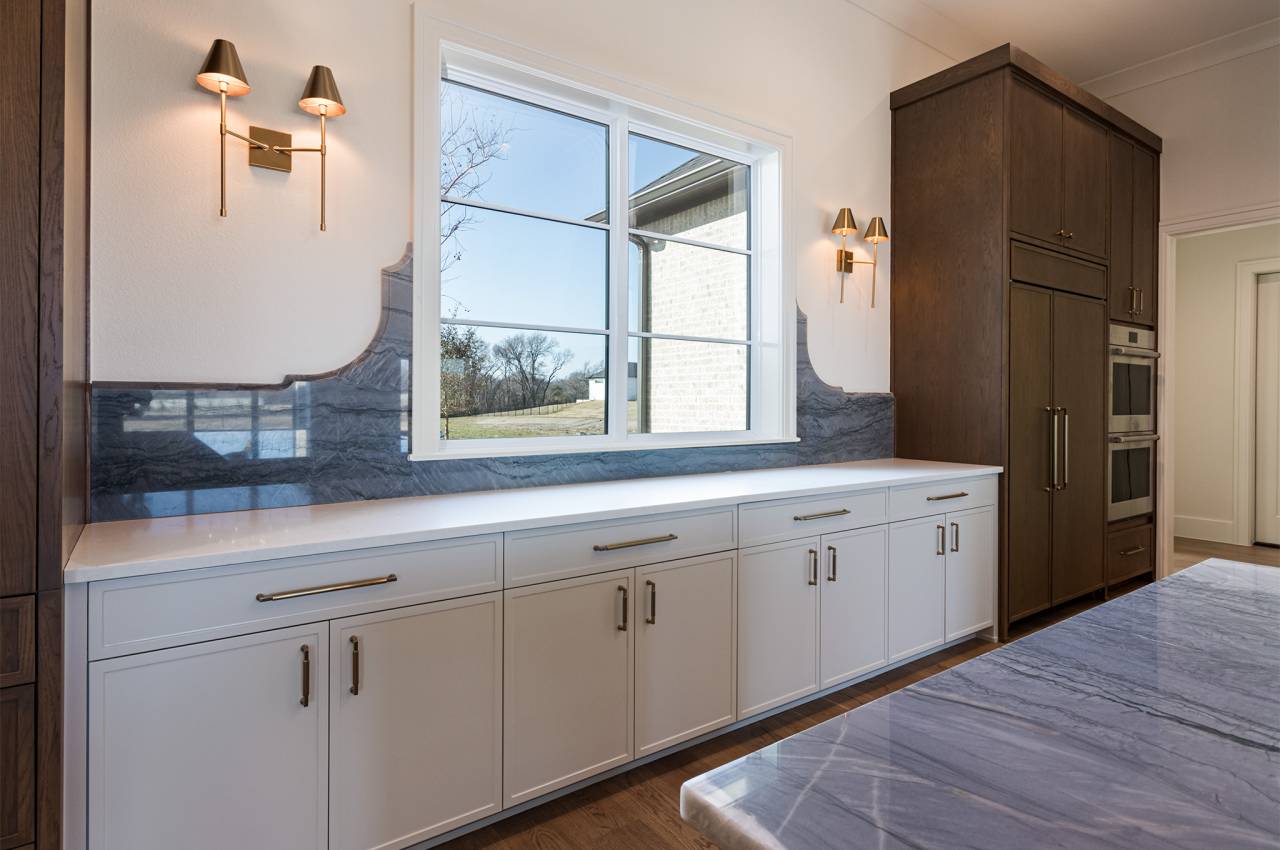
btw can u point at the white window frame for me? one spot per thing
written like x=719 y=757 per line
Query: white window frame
x=445 y=51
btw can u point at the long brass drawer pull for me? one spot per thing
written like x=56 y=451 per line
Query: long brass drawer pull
x=306 y=676
x=1135 y=550
x=823 y=515
x=622 y=588
x=325 y=588
x=627 y=544
x=355 y=666
x=652 y=619
x=959 y=495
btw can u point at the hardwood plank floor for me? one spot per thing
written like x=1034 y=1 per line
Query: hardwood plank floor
x=1187 y=552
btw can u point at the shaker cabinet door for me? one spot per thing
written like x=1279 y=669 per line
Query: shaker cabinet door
x=1122 y=299
x=416 y=748
x=971 y=571
x=777 y=624
x=1146 y=182
x=917 y=585
x=1035 y=164
x=854 y=589
x=1084 y=184
x=210 y=746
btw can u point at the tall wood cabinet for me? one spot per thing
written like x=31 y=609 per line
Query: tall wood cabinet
x=42 y=370
x=1024 y=219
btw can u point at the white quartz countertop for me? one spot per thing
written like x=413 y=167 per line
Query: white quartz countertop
x=169 y=544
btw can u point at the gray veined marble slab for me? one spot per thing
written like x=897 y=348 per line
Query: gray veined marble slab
x=1152 y=721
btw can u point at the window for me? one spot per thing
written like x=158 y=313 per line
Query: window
x=607 y=277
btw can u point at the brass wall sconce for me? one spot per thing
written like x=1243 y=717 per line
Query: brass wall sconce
x=845 y=261
x=223 y=74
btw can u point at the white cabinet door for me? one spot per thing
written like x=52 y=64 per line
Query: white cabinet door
x=416 y=748
x=917 y=581
x=853 y=591
x=971 y=571
x=211 y=746
x=684 y=650
x=568 y=682
x=777 y=624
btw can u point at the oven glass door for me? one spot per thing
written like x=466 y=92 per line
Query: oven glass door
x=1132 y=479
x=1132 y=394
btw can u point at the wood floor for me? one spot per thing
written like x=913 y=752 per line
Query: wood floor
x=640 y=809
x=1187 y=552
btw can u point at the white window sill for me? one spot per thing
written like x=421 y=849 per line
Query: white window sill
x=479 y=450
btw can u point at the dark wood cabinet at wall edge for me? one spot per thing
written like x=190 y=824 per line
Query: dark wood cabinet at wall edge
x=17 y=766
x=17 y=640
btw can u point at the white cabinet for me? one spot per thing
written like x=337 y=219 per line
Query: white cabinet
x=684 y=650
x=917 y=585
x=853 y=591
x=971 y=571
x=216 y=745
x=416 y=722
x=567 y=692
x=777 y=624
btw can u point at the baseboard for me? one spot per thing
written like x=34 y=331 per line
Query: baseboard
x=1204 y=528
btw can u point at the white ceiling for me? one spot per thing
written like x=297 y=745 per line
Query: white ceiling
x=1087 y=39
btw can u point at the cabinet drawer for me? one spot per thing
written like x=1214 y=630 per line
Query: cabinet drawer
x=150 y=612
x=790 y=519
x=17 y=641
x=1056 y=271
x=1129 y=553
x=565 y=551
x=940 y=497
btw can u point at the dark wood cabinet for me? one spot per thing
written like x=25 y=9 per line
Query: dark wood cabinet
x=1134 y=212
x=1005 y=251
x=1057 y=173
x=17 y=766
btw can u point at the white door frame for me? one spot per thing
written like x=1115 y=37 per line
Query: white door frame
x=1246 y=360
x=1170 y=232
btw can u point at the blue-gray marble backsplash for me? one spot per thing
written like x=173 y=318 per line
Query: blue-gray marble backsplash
x=166 y=449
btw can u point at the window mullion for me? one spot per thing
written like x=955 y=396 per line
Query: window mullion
x=618 y=278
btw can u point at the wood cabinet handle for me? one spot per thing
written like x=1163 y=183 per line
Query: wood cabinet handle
x=1135 y=550
x=355 y=665
x=622 y=588
x=955 y=537
x=325 y=588
x=823 y=515
x=959 y=495
x=653 y=602
x=627 y=544
x=813 y=567
x=942 y=539
x=832 y=575
x=306 y=676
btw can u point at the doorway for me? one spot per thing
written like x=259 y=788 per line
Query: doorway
x=1267 y=421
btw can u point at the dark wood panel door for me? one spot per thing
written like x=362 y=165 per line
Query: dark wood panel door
x=17 y=766
x=1145 y=215
x=1121 y=298
x=1084 y=184
x=19 y=289
x=1029 y=475
x=1079 y=391
x=1035 y=164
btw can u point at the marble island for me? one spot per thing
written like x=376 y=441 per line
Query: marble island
x=1152 y=721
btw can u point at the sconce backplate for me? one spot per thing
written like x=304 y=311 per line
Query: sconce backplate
x=274 y=160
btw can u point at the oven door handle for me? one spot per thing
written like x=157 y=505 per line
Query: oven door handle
x=1128 y=351
x=1134 y=438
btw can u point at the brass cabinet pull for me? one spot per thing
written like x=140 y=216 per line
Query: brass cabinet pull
x=1066 y=448
x=627 y=544
x=325 y=588
x=955 y=537
x=823 y=515
x=1069 y=235
x=306 y=676
x=959 y=495
x=942 y=540
x=1060 y=232
x=1133 y=301
x=653 y=603
x=623 y=589
x=1142 y=300
x=1135 y=550
x=355 y=666
x=1053 y=449
x=832 y=576
x=813 y=567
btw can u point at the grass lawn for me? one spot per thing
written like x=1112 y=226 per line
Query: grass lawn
x=570 y=420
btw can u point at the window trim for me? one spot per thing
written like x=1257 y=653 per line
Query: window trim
x=441 y=53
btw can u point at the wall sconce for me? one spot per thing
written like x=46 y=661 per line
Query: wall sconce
x=845 y=261
x=223 y=74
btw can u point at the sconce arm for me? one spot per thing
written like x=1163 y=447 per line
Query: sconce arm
x=279 y=149
x=253 y=143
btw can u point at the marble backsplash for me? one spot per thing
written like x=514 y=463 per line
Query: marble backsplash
x=164 y=450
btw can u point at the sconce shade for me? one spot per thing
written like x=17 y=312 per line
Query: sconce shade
x=876 y=231
x=844 y=222
x=222 y=65
x=322 y=91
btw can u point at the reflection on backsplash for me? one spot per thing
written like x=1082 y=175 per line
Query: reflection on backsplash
x=167 y=450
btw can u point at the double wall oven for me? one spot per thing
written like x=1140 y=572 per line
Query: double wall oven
x=1131 y=466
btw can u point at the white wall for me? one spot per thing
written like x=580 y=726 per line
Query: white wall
x=180 y=295
x=1204 y=388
